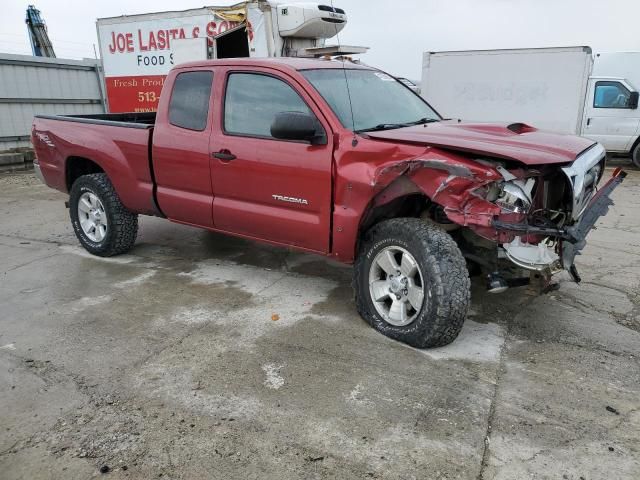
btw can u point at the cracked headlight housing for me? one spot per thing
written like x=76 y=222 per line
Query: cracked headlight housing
x=512 y=196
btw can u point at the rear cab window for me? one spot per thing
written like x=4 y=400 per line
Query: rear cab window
x=190 y=99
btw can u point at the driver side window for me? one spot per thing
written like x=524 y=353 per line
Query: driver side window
x=253 y=100
x=611 y=95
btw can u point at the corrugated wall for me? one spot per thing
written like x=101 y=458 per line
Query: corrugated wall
x=33 y=85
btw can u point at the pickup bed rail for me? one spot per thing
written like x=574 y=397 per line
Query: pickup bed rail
x=127 y=120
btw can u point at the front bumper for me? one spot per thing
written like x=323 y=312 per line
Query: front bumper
x=572 y=239
x=597 y=207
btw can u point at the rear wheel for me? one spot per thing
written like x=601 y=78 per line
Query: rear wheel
x=411 y=283
x=635 y=156
x=102 y=224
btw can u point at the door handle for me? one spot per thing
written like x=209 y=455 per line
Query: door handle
x=588 y=122
x=224 y=155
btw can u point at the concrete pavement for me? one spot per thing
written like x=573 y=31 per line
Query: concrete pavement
x=202 y=356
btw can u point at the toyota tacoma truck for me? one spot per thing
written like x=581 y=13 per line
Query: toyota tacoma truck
x=342 y=160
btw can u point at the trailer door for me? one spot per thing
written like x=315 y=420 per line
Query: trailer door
x=233 y=43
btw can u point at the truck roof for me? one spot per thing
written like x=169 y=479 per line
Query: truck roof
x=137 y=17
x=577 y=48
x=284 y=63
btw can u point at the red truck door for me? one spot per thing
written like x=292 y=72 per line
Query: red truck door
x=181 y=149
x=266 y=188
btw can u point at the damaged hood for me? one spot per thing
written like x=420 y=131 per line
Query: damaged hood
x=517 y=141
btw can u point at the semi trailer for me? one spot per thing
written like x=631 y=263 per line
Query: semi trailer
x=138 y=51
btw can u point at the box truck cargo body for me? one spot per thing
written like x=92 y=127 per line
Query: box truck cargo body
x=566 y=90
x=138 y=51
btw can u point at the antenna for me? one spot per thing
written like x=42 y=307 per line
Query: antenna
x=354 y=141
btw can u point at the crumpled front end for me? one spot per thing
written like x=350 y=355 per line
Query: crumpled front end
x=535 y=216
x=554 y=231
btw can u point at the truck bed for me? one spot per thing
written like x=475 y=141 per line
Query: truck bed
x=118 y=144
x=127 y=120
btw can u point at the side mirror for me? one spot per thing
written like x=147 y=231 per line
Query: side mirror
x=633 y=100
x=297 y=126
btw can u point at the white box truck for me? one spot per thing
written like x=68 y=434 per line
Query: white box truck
x=566 y=90
x=138 y=51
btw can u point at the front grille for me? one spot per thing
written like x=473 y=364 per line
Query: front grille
x=327 y=8
x=583 y=176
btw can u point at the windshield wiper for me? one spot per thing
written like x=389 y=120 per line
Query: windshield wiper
x=424 y=120
x=382 y=126
x=391 y=126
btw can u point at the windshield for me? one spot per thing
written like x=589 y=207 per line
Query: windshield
x=379 y=101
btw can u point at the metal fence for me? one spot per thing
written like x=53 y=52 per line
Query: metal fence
x=52 y=86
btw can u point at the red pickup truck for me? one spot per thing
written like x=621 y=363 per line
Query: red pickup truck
x=341 y=160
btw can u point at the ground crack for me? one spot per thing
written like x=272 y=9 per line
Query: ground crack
x=35 y=260
x=492 y=408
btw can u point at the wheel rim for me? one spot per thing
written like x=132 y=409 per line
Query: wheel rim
x=93 y=219
x=396 y=286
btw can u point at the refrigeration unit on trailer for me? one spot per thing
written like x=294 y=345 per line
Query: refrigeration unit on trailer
x=566 y=90
x=139 y=50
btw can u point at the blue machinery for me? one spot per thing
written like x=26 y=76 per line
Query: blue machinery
x=40 y=43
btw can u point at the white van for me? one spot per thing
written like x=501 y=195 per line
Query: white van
x=567 y=90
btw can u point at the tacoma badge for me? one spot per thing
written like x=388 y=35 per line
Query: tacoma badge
x=281 y=198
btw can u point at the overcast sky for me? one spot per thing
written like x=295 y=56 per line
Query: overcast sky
x=397 y=31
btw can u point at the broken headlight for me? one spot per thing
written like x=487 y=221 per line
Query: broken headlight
x=512 y=196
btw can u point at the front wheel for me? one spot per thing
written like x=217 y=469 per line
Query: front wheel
x=635 y=156
x=102 y=224
x=411 y=283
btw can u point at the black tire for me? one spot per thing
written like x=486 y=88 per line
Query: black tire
x=635 y=156
x=446 y=284
x=122 y=225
